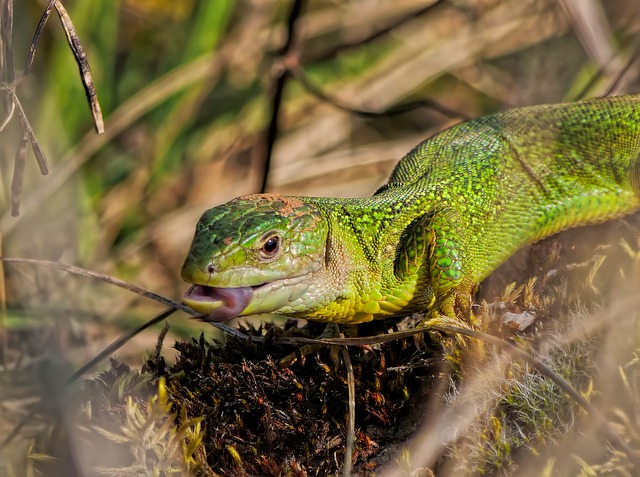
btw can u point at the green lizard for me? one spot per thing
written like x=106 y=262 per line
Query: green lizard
x=456 y=207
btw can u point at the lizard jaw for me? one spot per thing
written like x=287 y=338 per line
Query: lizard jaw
x=281 y=296
x=219 y=304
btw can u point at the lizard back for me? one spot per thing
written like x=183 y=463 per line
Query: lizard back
x=515 y=177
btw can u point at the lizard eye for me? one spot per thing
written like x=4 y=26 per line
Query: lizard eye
x=270 y=247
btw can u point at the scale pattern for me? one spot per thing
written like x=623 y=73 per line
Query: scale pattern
x=457 y=206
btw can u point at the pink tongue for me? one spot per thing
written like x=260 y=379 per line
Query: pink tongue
x=234 y=300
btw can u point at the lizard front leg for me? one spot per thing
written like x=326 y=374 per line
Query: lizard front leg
x=452 y=284
x=432 y=259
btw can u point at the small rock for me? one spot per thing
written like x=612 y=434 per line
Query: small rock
x=518 y=321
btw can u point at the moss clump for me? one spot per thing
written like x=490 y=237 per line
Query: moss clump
x=230 y=409
x=262 y=419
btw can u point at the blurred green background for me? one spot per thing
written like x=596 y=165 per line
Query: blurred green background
x=185 y=90
x=185 y=86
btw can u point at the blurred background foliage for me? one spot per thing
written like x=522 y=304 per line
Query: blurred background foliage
x=186 y=91
x=186 y=88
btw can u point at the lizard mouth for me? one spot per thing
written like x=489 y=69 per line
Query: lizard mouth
x=219 y=304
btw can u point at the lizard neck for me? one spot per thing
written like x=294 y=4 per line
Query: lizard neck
x=374 y=253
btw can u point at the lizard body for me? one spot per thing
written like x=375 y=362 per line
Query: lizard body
x=454 y=208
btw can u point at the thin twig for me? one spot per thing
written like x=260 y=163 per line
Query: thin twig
x=619 y=76
x=15 y=431
x=35 y=145
x=6 y=20
x=272 y=129
x=281 y=77
x=36 y=39
x=11 y=108
x=286 y=67
x=7 y=73
x=105 y=278
x=83 y=65
x=351 y=420
x=332 y=52
x=126 y=286
x=118 y=343
x=298 y=73
x=174 y=306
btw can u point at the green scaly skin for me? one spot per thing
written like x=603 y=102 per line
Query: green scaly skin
x=454 y=208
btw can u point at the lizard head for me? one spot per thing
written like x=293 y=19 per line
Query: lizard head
x=249 y=255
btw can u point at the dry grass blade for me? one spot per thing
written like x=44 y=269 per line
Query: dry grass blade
x=12 y=104
x=18 y=174
x=6 y=24
x=591 y=26
x=6 y=70
x=83 y=64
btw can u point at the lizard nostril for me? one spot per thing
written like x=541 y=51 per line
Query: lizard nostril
x=211 y=268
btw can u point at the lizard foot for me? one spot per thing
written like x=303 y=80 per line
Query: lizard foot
x=460 y=349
